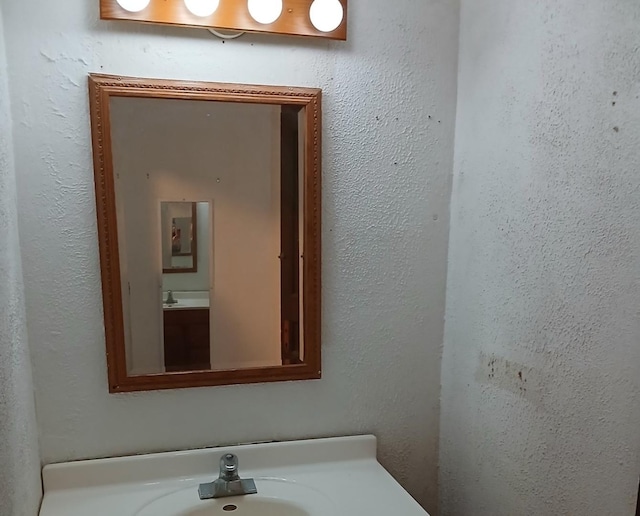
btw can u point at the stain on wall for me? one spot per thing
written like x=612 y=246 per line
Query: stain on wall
x=504 y=374
x=541 y=365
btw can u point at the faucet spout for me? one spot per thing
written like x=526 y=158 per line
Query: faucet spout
x=229 y=482
x=229 y=468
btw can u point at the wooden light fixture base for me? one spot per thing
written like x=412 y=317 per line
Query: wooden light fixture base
x=230 y=15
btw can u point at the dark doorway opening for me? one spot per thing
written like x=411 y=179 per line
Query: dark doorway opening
x=290 y=236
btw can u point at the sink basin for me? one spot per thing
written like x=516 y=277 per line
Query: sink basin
x=275 y=497
x=260 y=507
x=319 y=477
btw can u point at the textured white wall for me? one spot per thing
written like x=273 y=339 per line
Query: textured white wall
x=541 y=366
x=20 y=487
x=388 y=140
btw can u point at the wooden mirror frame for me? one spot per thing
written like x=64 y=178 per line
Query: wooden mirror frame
x=101 y=89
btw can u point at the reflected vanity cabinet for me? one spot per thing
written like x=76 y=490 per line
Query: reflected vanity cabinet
x=186 y=339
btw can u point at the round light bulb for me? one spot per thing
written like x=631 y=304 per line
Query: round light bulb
x=133 y=6
x=265 y=11
x=326 y=15
x=202 y=8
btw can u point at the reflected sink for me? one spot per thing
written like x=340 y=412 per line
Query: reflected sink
x=172 y=305
x=275 y=497
x=187 y=300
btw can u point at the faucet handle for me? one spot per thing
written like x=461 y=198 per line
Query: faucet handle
x=229 y=467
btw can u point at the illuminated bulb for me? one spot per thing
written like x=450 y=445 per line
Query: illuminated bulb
x=202 y=8
x=133 y=6
x=265 y=11
x=326 y=15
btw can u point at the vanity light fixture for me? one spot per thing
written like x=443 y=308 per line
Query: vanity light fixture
x=326 y=15
x=314 y=18
x=202 y=8
x=134 y=6
x=265 y=11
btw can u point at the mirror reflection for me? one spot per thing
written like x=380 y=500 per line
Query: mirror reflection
x=209 y=211
x=179 y=237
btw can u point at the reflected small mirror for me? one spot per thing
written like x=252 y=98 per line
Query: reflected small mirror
x=180 y=236
x=208 y=213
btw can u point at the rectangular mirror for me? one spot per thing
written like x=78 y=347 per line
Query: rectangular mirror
x=208 y=201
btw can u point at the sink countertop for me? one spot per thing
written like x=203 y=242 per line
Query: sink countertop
x=196 y=300
x=344 y=469
x=188 y=304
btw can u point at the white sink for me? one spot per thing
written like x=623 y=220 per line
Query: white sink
x=323 y=477
x=275 y=498
x=261 y=507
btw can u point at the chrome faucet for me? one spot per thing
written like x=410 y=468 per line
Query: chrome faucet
x=229 y=482
x=170 y=299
